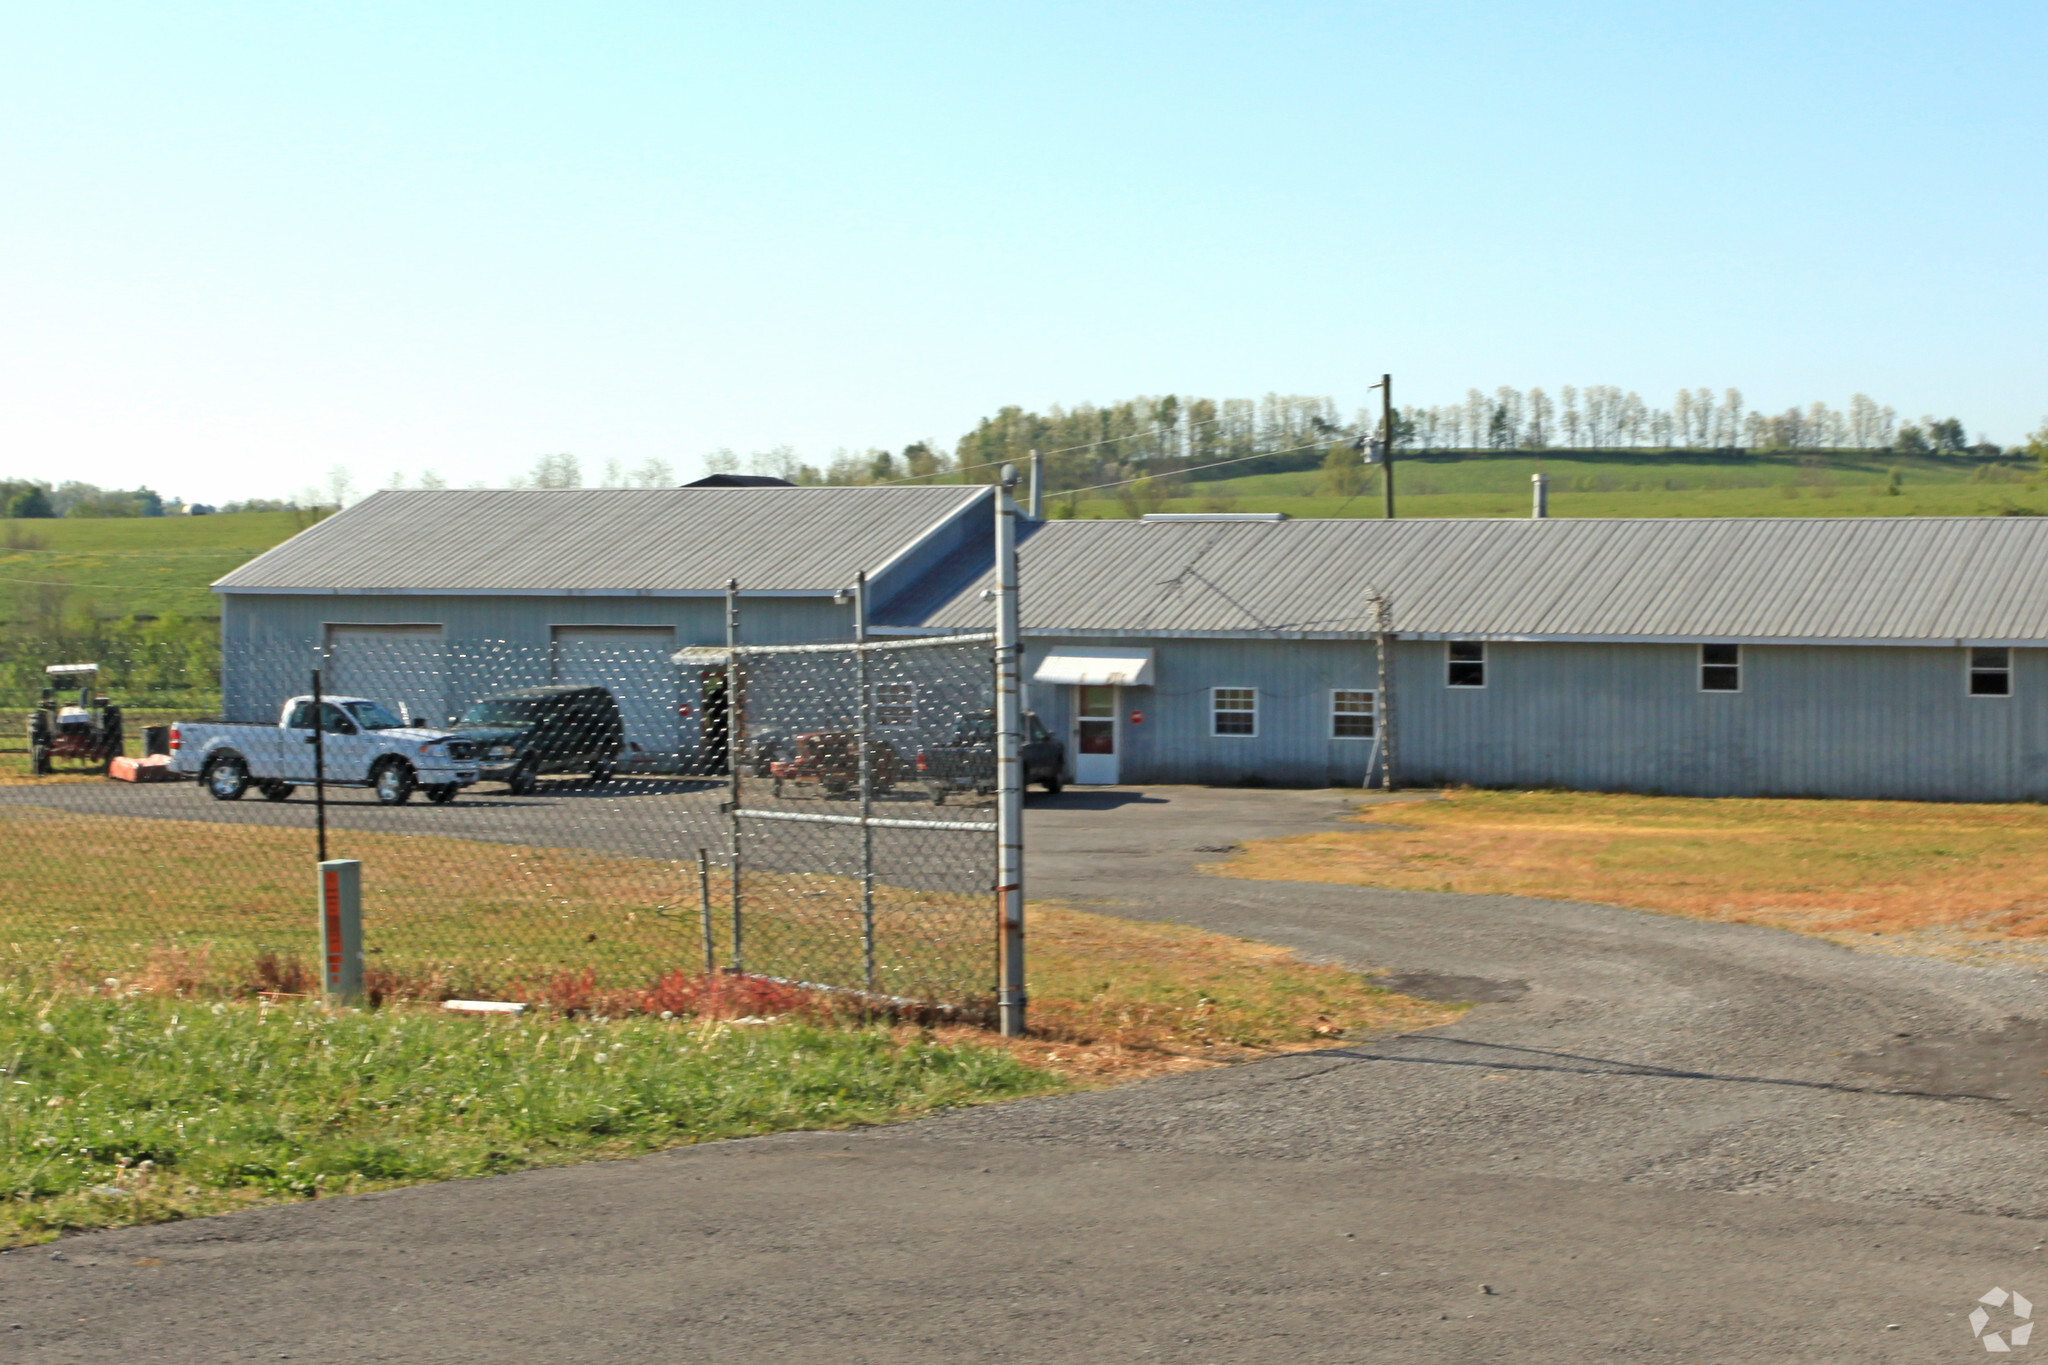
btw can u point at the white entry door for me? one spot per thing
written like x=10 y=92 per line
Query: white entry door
x=633 y=664
x=1095 y=737
x=401 y=666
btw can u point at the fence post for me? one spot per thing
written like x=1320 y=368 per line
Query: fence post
x=341 y=930
x=319 y=769
x=735 y=746
x=704 y=908
x=1010 y=994
x=865 y=703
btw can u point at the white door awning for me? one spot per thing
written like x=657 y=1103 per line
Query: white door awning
x=1111 y=666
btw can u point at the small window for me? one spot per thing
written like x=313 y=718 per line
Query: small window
x=1234 y=710
x=1351 y=714
x=1467 y=664
x=1720 y=668
x=895 y=705
x=1990 y=671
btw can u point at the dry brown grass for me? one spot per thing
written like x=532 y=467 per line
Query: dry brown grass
x=189 y=907
x=1816 y=866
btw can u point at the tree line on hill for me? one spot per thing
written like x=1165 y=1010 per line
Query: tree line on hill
x=1093 y=448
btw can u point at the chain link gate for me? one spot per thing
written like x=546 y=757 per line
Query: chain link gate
x=863 y=817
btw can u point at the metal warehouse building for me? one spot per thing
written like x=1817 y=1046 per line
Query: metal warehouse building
x=428 y=600
x=1868 y=657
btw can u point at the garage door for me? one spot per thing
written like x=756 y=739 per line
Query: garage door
x=632 y=662
x=403 y=667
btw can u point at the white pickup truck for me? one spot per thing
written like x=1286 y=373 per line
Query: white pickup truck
x=363 y=745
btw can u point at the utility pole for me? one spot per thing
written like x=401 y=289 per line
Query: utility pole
x=1386 y=388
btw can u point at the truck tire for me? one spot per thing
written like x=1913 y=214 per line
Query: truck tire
x=275 y=791
x=441 y=793
x=525 y=778
x=1052 y=784
x=393 y=782
x=601 y=773
x=226 y=777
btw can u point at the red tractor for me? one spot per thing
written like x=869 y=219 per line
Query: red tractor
x=88 y=729
x=831 y=759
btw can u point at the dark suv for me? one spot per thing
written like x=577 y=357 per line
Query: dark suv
x=520 y=735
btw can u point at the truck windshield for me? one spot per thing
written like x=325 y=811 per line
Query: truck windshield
x=500 y=712
x=371 y=716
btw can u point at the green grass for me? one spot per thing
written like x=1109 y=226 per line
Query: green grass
x=129 y=1109
x=1680 y=484
x=158 y=566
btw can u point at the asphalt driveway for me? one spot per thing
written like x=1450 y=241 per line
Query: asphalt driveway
x=1659 y=1139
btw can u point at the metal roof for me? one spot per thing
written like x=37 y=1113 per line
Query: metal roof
x=606 y=541
x=1884 y=580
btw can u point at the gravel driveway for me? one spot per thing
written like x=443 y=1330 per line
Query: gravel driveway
x=1659 y=1139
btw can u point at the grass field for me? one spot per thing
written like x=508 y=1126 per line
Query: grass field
x=169 y=1087
x=1680 y=484
x=158 y=566
x=1828 y=867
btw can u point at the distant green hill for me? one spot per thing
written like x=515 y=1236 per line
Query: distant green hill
x=127 y=566
x=1625 y=484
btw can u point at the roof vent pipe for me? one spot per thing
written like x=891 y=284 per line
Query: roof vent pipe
x=1539 y=507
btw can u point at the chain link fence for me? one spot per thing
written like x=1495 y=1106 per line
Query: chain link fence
x=862 y=817
x=544 y=823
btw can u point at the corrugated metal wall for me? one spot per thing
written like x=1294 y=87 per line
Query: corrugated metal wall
x=1810 y=721
x=1173 y=744
x=271 y=641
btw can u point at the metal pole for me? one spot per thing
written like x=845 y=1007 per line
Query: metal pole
x=867 y=783
x=1383 y=636
x=1010 y=995
x=735 y=748
x=1386 y=388
x=319 y=770
x=1037 y=486
x=704 y=909
x=341 y=930
x=1539 y=506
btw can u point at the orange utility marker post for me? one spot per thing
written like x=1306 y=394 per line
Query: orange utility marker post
x=341 y=931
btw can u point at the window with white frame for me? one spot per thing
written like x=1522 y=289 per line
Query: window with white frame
x=1352 y=713
x=1465 y=663
x=1720 y=668
x=1990 y=671
x=1233 y=710
x=895 y=705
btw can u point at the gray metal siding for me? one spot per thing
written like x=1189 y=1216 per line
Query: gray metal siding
x=1830 y=721
x=271 y=641
x=1852 y=722
x=1174 y=744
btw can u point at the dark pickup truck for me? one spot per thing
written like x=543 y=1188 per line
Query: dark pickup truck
x=967 y=763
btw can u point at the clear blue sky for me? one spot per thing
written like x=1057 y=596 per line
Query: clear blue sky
x=242 y=244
